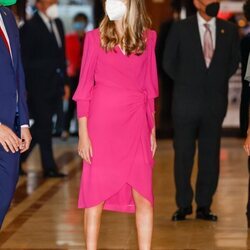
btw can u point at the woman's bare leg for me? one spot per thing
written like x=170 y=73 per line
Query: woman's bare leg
x=92 y=221
x=144 y=221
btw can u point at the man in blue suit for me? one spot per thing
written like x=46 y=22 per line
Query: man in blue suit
x=14 y=130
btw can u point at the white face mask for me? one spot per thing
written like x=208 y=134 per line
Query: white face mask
x=52 y=12
x=116 y=9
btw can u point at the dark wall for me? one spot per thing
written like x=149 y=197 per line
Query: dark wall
x=19 y=9
x=189 y=7
x=98 y=12
x=188 y=4
x=159 y=11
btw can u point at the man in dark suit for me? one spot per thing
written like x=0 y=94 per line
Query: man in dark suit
x=43 y=51
x=245 y=97
x=165 y=81
x=245 y=93
x=201 y=54
x=14 y=130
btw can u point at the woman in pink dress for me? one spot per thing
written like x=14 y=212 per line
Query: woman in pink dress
x=115 y=106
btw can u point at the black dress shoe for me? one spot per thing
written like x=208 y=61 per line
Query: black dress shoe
x=54 y=174
x=248 y=220
x=205 y=214
x=181 y=213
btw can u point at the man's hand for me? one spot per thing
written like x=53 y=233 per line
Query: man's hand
x=9 y=140
x=26 y=139
x=66 y=92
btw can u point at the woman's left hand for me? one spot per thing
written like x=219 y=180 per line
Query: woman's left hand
x=247 y=145
x=153 y=142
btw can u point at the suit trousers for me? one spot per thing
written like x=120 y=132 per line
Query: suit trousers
x=248 y=202
x=206 y=131
x=69 y=114
x=9 y=173
x=244 y=108
x=42 y=111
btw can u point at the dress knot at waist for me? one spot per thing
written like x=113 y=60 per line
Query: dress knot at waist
x=145 y=95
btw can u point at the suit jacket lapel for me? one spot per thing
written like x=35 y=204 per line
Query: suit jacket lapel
x=59 y=30
x=42 y=24
x=3 y=49
x=198 y=44
x=218 y=40
x=46 y=30
x=11 y=35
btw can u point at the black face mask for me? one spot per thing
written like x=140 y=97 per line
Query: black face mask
x=212 y=9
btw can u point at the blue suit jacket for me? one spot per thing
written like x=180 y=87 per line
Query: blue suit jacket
x=12 y=79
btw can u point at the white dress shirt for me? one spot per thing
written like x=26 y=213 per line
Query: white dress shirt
x=8 y=41
x=47 y=21
x=202 y=29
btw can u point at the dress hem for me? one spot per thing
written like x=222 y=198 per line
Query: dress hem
x=118 y=208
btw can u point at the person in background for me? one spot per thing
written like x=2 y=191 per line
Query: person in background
x=247 y=149
x=245 y=93
x=166 y=82
x=19 y=11
x=115 y=104
x=74 y=50
x=202 y=53
x=245 y=97
x=14 y=117
x=43 y=52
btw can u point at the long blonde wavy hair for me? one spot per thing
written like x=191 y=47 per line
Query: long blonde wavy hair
x=135 y=23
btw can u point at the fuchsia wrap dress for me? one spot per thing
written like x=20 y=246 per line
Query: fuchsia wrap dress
x=116 y=93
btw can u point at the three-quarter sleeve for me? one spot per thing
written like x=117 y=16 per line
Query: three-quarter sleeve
x=151 y=77
x=84 y=90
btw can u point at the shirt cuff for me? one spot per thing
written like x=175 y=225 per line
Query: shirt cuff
x=24 y=126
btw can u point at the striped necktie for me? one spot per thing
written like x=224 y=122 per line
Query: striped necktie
x=4 y=40
x=208 y=49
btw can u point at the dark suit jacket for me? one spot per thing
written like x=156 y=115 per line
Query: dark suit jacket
x=196 y=88
x=12 y=77
x=44 y=62
x=245 y=49
x=161 y=42
x=245 y=94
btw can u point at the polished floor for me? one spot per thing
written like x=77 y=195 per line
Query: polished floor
x=44 y=214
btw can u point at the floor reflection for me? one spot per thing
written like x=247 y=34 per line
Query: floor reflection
x=44 y=214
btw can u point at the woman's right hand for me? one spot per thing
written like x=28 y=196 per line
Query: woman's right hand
x=85 y=148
